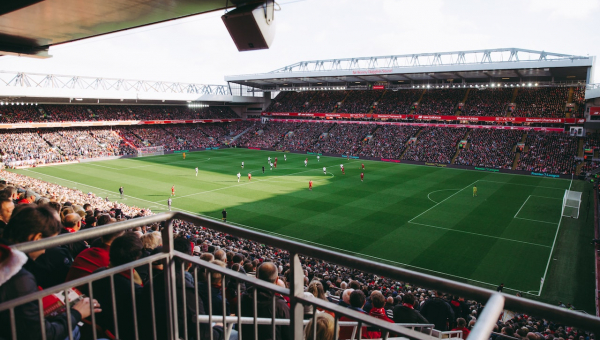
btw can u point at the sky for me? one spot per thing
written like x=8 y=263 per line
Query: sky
x=199 y=49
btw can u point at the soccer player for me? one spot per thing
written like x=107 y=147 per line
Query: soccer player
x=242 y=165
x=275 y=160
x=306 y=162
x=318 y=158
x=362 y=176
x=475 y=191
x=363 y=166
x=169 y=201
x=343 y=171
x=310 y=185
x=284 y=157
x=275 y=164
x=121 y=192
x=224 y=213
x=184 y=155
x=269 y=160
x=341 y=167
x=324 y=170
x=240 y=175
x=271 y=164
x=196 y=171
x=263 y=169
x=173 y=190
x=249 y=177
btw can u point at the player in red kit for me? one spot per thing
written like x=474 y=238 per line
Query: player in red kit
x=173 y=190
x=362 y=176
x=249 y=176
x=363 y=166
x=275 y=164
x=310 y=185
x=343 y=171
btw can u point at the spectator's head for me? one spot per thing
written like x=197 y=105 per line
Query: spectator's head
x=216 y=278
x=104 y=219
x=6 y=208
x=389 y=301
x=346 y=295
x=207 y=257
x=238 y=258
x=325 y=327
x=408 y=298
x=31 y=223
x=462 y=323
x=316 y=288
x=357 y=299
x=221 y=255
x=90 y=221
x=267 y=271
x=179 y=244
x=125 y=249
x=72 y=221
x=377 y=299
x=55 y=205
x=151 y=240
x=11 y=192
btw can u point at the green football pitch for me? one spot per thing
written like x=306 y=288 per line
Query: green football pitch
x=418 y=217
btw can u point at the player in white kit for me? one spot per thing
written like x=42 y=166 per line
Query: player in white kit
x=269 y=160
x=284 y=157
x=318 y=158
x=196 y=171
x=324 y=171
x=305 y=162
x=239 y=175
x=242 y=165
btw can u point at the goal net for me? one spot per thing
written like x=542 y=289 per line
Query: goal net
x=151 y=151
x=571 y=204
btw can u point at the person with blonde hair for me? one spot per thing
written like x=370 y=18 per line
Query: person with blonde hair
x=325 y=328
x=316 y=289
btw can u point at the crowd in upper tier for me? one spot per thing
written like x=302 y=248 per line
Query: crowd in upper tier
x=490 y=148
x=64 y=113
x=548 y=152
x=549 y=102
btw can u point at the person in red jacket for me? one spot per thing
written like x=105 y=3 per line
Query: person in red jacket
x=310 y=185
x=462 y=326
x=92 y=258
x=378 y=301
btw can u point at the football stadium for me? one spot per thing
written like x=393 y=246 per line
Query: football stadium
x=417 y=196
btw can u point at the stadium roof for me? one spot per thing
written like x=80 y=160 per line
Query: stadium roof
x=477 y=66
x=30 y=27
x=50 y=88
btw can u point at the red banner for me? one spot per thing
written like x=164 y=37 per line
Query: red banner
x=428 y=117
x=378 y=87
x=594 y=110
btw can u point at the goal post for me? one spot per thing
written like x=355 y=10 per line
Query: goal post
x=571 y=204
x=150 y=151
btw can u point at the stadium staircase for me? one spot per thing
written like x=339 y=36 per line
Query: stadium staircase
x=466 y=136
x=570 y=100
x=408 y=141
x=240 y=135
x=418 y=103
x=512 y=100
x=464 y=101
x=378 y=100
x=580 y=148
x=518 y=153
x=343 y=100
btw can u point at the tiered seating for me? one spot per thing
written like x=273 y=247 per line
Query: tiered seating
x=359 y=101
x=549 y=152
x=303 y=136
x=343 y=138
x=490 y=148
x=266 y=135
x=26 y=148
x=579 y=100
x=325 y=101
x=488 y=102
x=441 y=101
x=388 y=141
x=397 y=102
x=435 y=145
x=19 y=114
x=546 y=102
x=289 y=101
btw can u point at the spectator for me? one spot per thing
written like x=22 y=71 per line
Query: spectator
x=406 y=312
x=438 y=312
x=325 y=328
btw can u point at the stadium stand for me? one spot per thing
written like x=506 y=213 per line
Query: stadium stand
x=290 y=101
x=359 y=101
x=579 y=100
x=549 y=152
x=303 y=136
x=325 y=101
x=487 y=102
x=441 y=101
x=435 y=145
x=490 y=148
x=343 y=139
x=62 y=113
x=388 y=141
x=546 y=102
x=397 y=102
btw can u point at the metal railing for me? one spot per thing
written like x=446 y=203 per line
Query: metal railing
x=173 y=262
